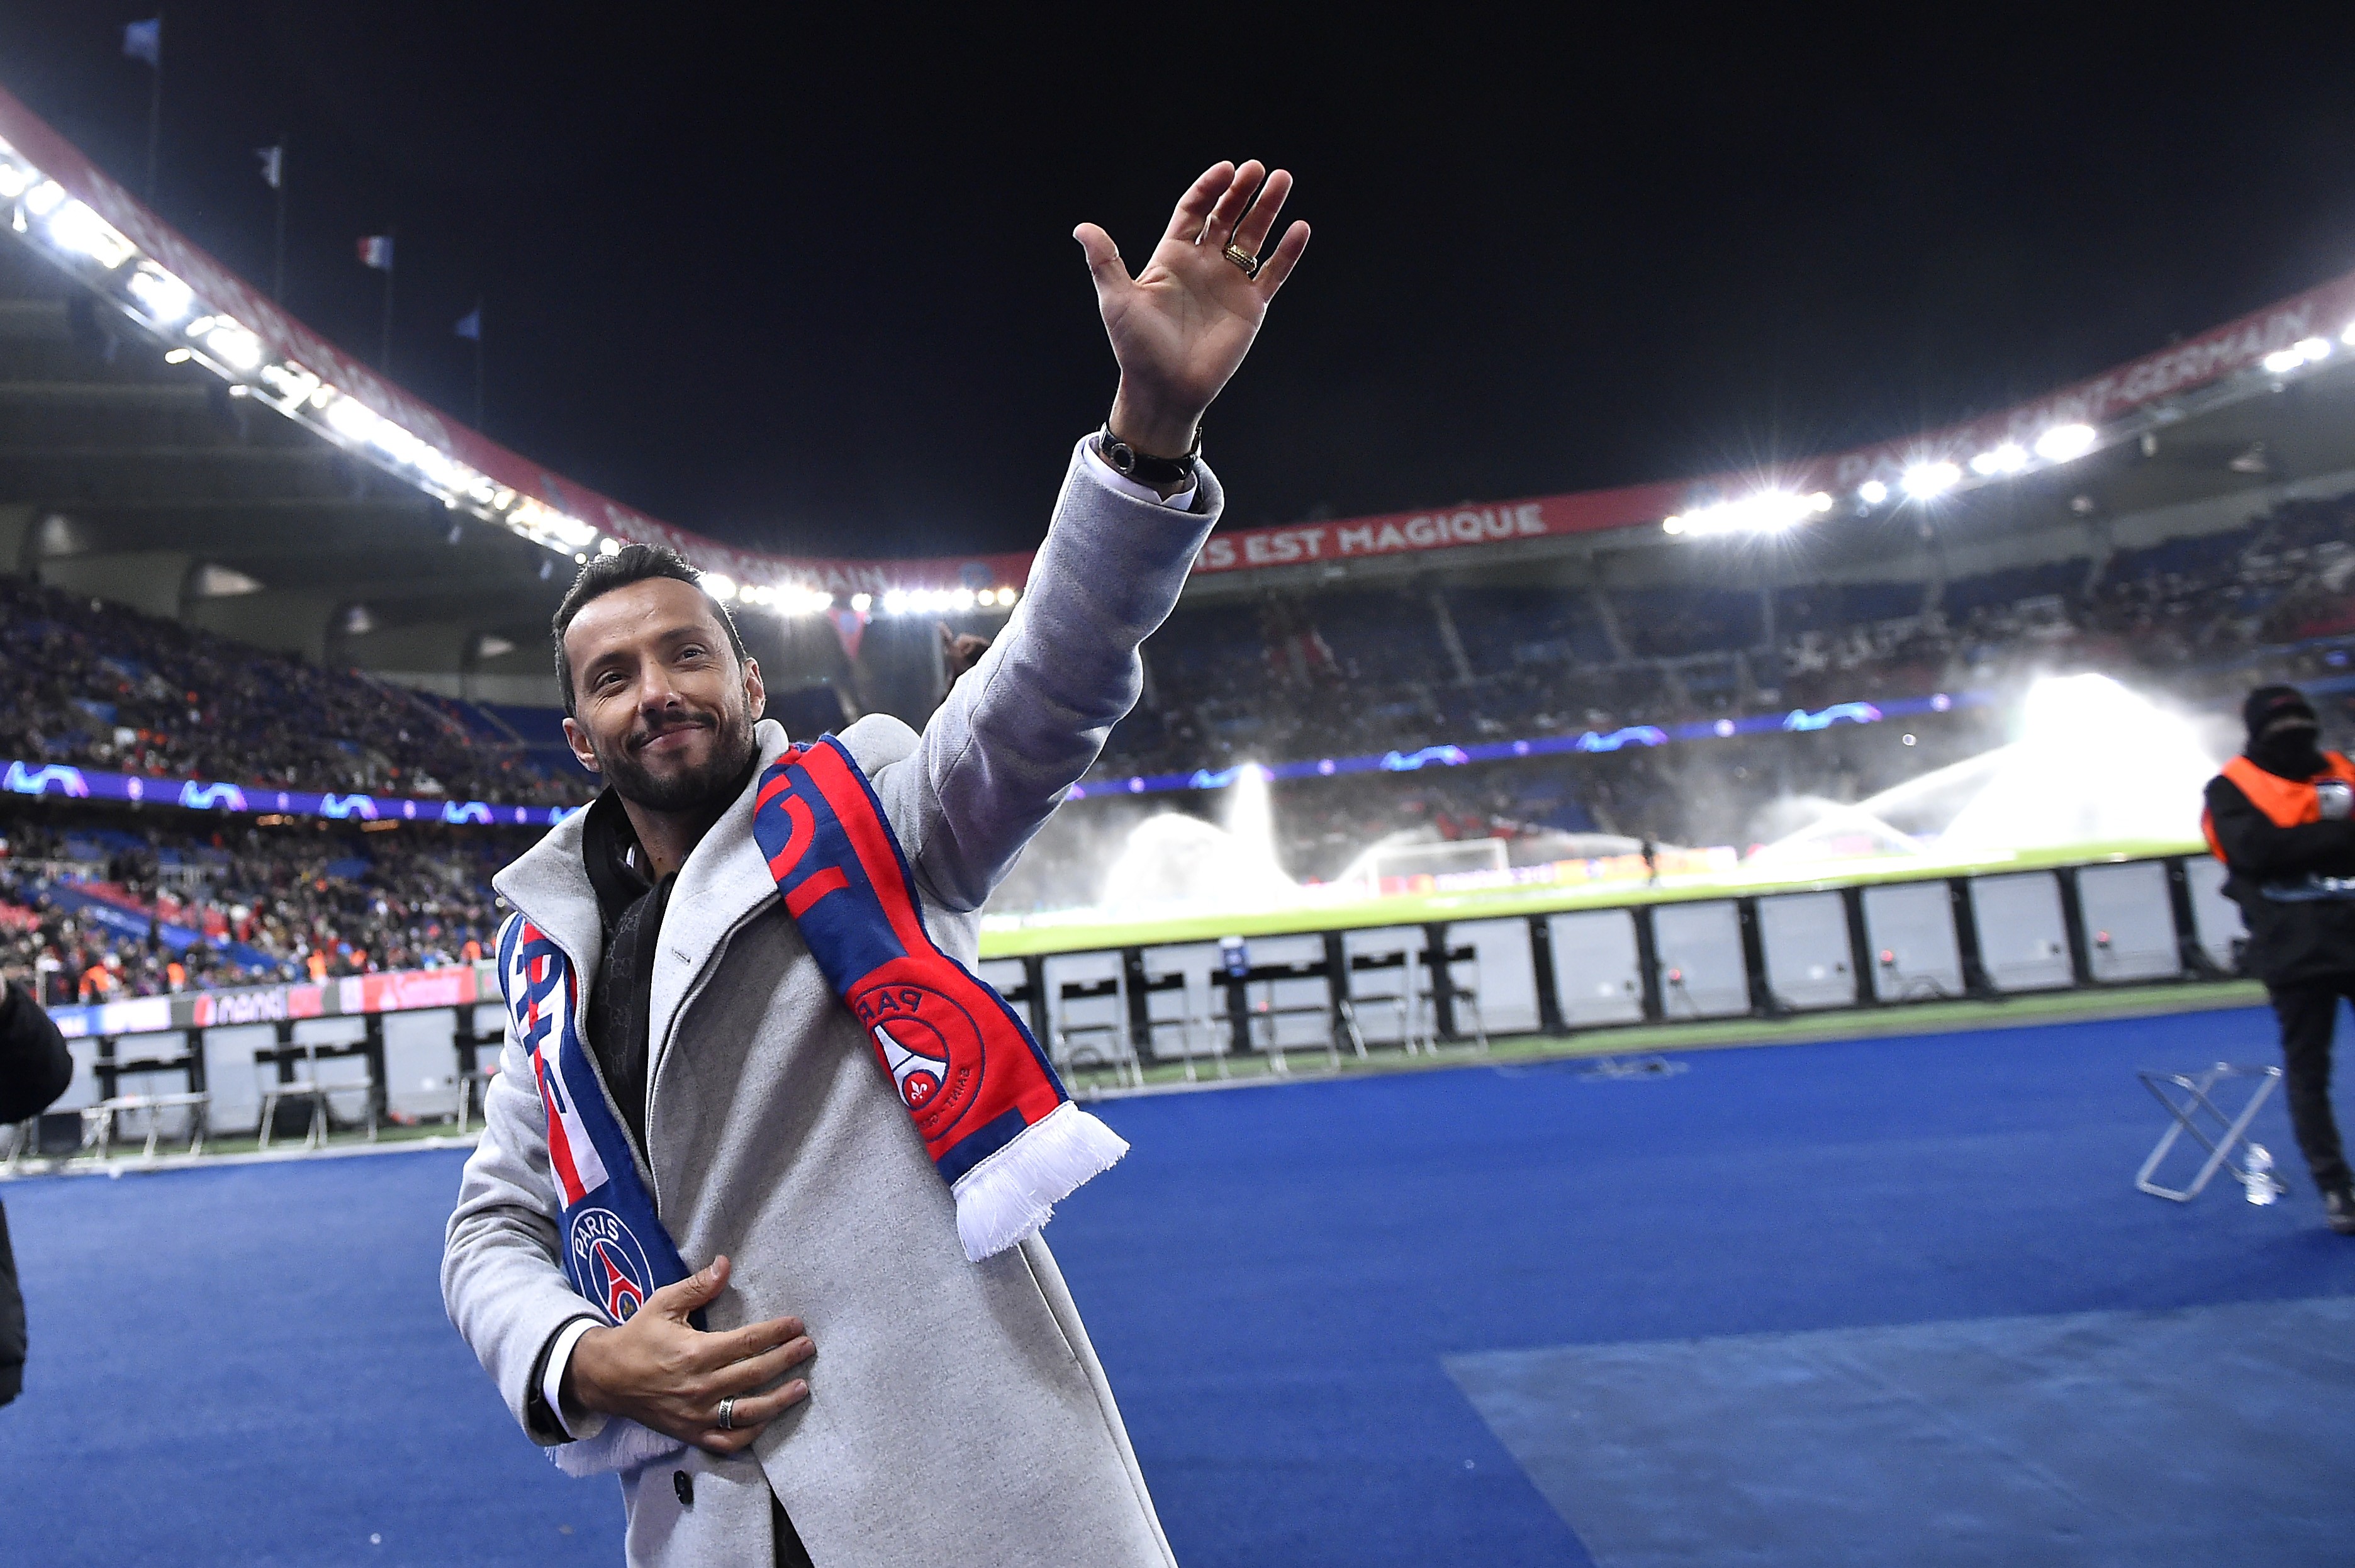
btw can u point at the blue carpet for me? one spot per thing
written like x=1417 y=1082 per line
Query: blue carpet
x=251 y=1365
x=2085 y=1440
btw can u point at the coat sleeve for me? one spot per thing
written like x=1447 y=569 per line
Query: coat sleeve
x=2258 y=848
x=1018 y=729
x=502 y=1283
x=34 y=1066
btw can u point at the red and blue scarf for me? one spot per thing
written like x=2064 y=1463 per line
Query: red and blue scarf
x=984 y=1097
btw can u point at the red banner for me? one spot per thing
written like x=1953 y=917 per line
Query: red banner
x=2321 y=312
x=1448 y=528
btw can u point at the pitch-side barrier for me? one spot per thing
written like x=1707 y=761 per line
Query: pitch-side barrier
x=414 y=1043
x=1654 y=956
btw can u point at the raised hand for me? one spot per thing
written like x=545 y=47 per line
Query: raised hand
x=1181 y=326
x=659 y=1371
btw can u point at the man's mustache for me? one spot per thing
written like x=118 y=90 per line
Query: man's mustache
x=646 y=735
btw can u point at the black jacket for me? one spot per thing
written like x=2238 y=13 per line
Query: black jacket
x=34 y=1070
x=2291 y=942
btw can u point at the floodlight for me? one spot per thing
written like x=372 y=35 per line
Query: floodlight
x=2315 y=349
x=2347 y=334
x=1873 y=492
x=15 y=179
x=1762 y=512
x=351 y=418
x=2008 y=458
x=179 y=356
x=961 y=599
x=1924 y=480
x=402 y=447
x=234 y=346
x=720 y=586
x=76 y=227
x=43 y=197
x=2065 y=442
x=2283 y=361
x=862 y=603
x=895 y=601
x=609 y=546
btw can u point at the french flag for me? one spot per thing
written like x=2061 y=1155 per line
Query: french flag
x=375 y=251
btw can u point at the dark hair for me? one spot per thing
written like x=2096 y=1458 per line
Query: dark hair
x=632 y=563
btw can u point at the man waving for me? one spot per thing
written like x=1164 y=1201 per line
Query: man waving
x=754 y=1218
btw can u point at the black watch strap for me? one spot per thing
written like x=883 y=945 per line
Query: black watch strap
x=1143 y=467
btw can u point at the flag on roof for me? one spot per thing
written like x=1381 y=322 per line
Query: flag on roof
x=274 y=164
x=375 y=251
x=469 y=325
x=145 y=41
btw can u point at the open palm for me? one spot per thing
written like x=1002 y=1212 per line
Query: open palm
x=1182 y=324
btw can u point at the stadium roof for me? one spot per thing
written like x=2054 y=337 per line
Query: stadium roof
x=176 y=440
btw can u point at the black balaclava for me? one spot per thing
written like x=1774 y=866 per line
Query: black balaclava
x=2283 y=732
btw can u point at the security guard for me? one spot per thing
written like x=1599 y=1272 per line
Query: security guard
x=2282 y=818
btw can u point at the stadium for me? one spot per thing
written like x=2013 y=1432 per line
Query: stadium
x=1476 y=835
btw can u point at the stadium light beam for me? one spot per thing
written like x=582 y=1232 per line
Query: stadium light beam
x=1763 y=512
x=1926 y=481
x=2065 y=442
x=2304 y=352
x=234 y=346
x=80 y=229
x=2008 y=458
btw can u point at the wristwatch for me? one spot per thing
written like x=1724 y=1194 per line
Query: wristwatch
x=1143 y=467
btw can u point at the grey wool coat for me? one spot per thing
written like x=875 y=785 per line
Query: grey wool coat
x=957 y=1413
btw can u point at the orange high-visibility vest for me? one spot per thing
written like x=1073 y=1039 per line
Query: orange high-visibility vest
x=2286 y=802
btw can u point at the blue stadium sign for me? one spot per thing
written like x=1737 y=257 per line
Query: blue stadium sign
x=200 y=795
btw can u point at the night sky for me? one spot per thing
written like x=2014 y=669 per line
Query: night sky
x=806 y=284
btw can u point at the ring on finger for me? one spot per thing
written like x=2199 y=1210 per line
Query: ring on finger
x=728 y=1413
x=1243 y=259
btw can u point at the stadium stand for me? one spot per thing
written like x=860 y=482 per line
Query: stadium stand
x=103 y=686
x=203 y=575
x=97 y=904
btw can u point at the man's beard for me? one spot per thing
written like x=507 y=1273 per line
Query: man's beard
x=707 y=787
x=2289 y=753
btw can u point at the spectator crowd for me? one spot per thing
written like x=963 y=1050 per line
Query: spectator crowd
x=99 y=686
x=97 y=905
x=99 y=902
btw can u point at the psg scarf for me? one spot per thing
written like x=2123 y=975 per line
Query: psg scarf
x=995 y=1120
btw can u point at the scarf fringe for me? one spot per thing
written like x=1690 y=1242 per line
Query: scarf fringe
x=1013 y=1193
x=619 y=1445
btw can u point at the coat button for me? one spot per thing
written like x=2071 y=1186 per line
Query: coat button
x=684 y=1485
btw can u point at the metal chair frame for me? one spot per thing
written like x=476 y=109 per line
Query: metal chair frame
x=98 y=1122
x=2197 y=1095
x=309 y=1087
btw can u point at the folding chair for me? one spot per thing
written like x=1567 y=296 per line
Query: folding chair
x=1442 y=970
x=2191 y=1096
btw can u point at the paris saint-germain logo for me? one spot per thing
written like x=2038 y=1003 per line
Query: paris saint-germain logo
x=929 y=1045
x=608 y=1265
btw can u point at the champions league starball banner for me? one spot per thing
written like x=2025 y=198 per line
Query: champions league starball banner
x=199 y=794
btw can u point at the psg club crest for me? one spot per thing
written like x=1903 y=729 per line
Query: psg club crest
x=931 y=1045
x=608 y=1265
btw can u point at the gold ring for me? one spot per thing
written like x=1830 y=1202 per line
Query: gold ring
x=1243 y=259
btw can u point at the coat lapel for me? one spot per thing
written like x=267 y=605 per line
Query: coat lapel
x=724 y=880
